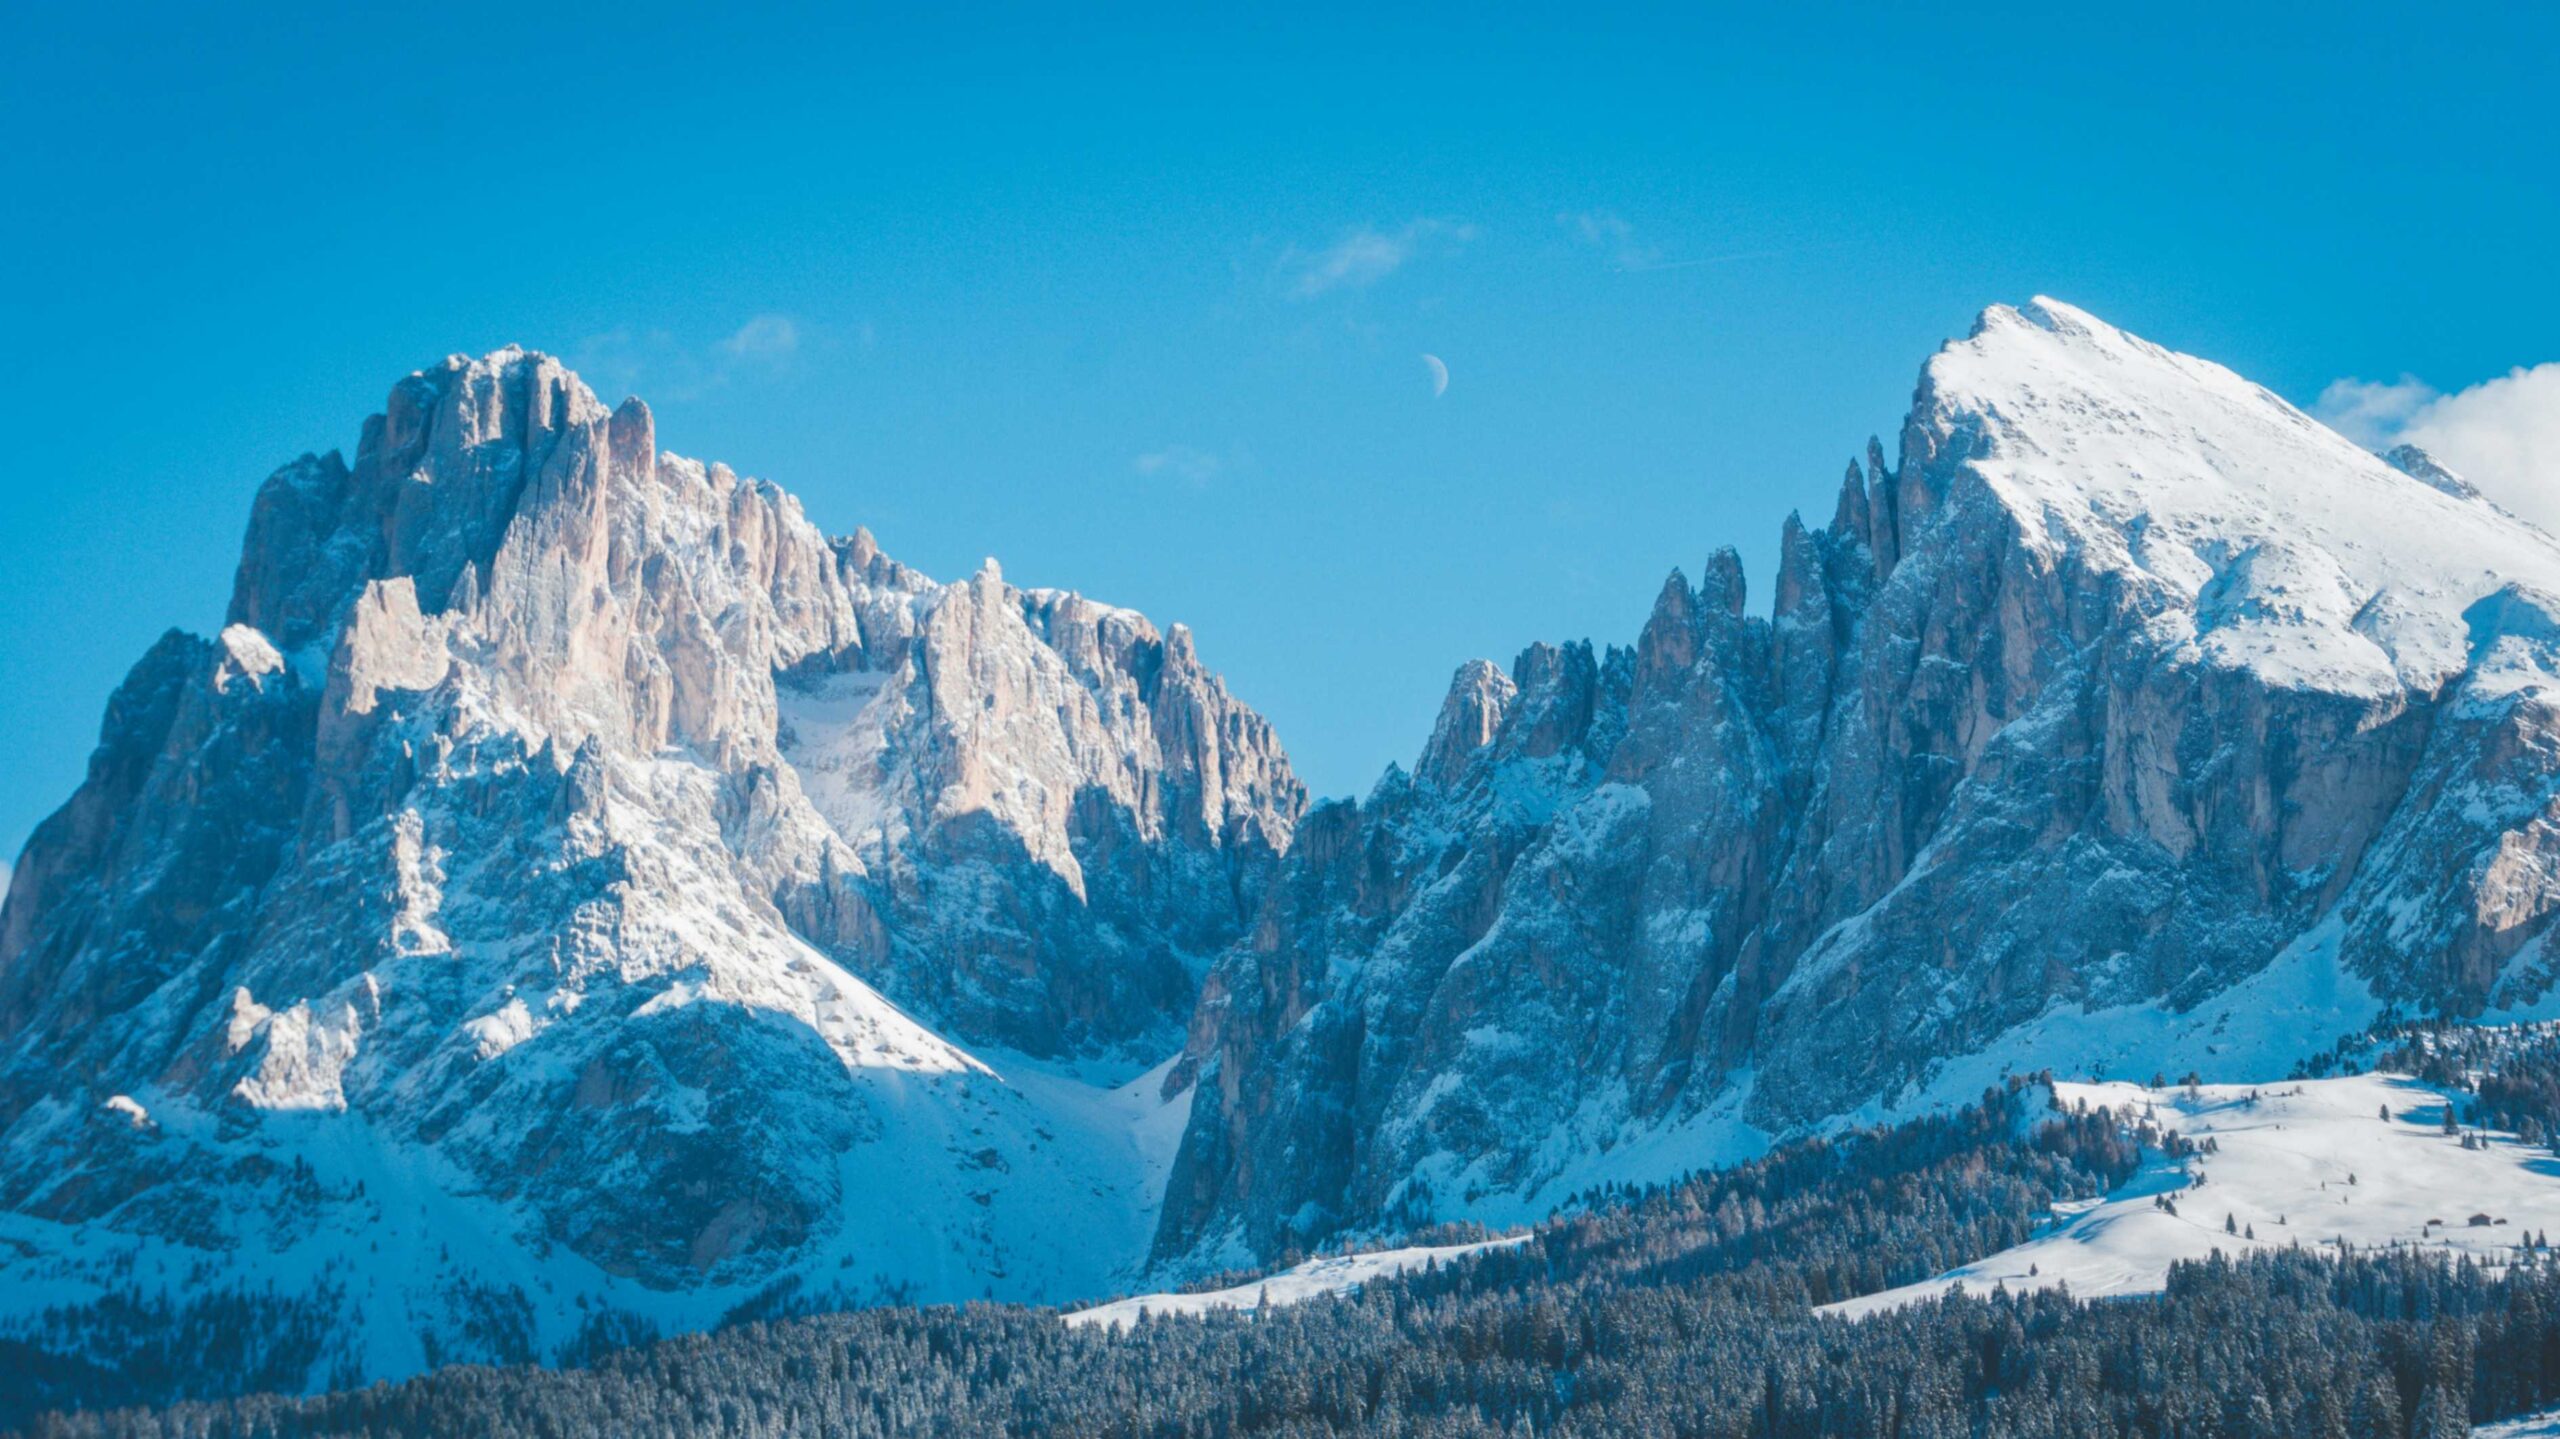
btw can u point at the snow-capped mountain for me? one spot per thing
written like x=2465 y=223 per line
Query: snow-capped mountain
x=2131 y=719
x=572 y=895
x=572 y=888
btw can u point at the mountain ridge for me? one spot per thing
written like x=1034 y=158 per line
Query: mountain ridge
x=465 y=893
x=571 y=868
x=2123 y=646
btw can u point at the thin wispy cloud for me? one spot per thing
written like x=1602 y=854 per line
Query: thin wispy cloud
x=1695 y=261
x=765 y=338
x=1609 y=234
x=1367 y=254
x=1194 y=467
x=2373 y=412
x=2503 y=434
x=656 y=363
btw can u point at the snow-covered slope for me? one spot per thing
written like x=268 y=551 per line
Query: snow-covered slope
x=2545 y=1425
x=2310 y=1163
x=2288 y=551
x=2132 y=718
x=1336 y=1274
x=572 y=892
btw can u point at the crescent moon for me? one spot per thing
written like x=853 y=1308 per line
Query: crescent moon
x=1439 y=375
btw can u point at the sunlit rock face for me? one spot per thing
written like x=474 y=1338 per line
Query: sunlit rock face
x=571 y=896
x=2130 y=719
x=571 y=880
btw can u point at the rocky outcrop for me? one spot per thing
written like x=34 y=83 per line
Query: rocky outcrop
x=571 y=877
x=2418 y=465
x=2130 y=719
x=572 y=896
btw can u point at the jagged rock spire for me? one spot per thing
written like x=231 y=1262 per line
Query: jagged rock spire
x=1479 y=696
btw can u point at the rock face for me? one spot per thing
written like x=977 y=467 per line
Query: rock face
x=573 y=897
x=2131 y=719
x=571 y=886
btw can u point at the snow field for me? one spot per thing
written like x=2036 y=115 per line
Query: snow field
x=2308 y=1163
x=1336 y=1275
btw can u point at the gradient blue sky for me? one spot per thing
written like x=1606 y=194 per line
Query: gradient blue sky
x=1136 y=303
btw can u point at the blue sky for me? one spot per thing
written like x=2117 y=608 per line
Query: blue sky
x=1137 y=303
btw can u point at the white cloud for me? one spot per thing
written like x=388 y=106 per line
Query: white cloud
x=2373 y=412
x=631 y=360
x=1365 y=255
x=2502 y=435
x=1609 y=233
x=1193 y=467
x=766 y=337
x=5 y=872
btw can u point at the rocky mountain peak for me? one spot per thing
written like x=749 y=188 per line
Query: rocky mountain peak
x=2129 y=715
x=574 y=822
x=438 y=477
x=2186 y=480
x=1472 y=714
x=2418 y=465
x=568 y=855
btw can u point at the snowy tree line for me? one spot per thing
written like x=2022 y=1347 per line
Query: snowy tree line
x=1683 y=1310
